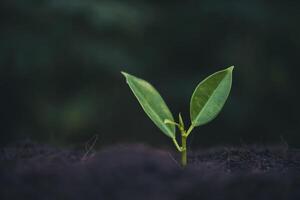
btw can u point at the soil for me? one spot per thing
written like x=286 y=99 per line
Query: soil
x=138 y=172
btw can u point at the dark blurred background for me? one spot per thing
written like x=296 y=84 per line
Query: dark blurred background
x=60 y=63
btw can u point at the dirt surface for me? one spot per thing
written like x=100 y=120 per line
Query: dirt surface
x=138 y=172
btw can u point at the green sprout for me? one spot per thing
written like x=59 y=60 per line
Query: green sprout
x=207 y=101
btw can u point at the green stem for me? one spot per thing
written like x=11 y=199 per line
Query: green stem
x=177 y=145
x=183 y=152
x=184 y=135
x=190 y=130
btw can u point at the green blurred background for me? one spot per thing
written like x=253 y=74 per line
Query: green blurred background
x=60 y=63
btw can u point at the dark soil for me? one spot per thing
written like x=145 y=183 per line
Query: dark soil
x=138 y=172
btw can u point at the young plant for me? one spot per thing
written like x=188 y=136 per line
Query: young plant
x=207 y=101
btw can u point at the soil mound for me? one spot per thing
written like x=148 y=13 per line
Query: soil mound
x=138 y=172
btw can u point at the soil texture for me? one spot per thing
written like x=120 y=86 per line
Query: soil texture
x=138 y=172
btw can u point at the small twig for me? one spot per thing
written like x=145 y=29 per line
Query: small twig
x=227 y=162
x=89 y=147
x=286 y=145
x=173 y=159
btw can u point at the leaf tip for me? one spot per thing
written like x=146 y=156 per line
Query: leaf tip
x=230 y=68
x=124 y=73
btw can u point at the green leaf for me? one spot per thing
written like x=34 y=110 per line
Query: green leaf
x=210 y=96
x=152 y=103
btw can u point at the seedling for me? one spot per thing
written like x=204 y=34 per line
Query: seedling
x=207 y=101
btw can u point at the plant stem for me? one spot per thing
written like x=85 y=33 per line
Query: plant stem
x=184 y=135
x=190 y=130
x=177 y=145
x=183 y=152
